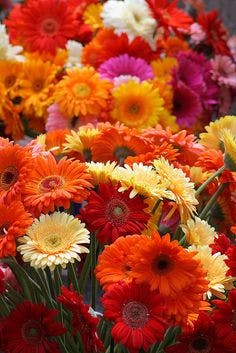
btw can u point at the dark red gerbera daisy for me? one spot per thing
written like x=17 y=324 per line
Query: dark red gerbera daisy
x=30 y=328
x=221 y=244
x=137 y=314
x=82 y=321
x=2 y=282
x=168 y=15
x=113 y=214
x=225 y=312
x=216 y=34
x=206 y=337
x=231 y=261
x=44 y=25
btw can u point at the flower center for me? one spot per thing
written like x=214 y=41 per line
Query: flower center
x=234 y=320
x=200 y=344
x=10 y=81
x=162 y=264
x=32 y=332
x=53 y=242
x=49 y=26
x=51 y=183
x=134 y=109
x=117 y=212
x=122 y=152
x=87 y=153
x=82 y=90
x=38 y=85
x=8 y=177
x=135 y=314
x=3 y=229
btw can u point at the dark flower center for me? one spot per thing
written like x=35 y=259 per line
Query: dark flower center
x=9 y=81
x=162 y=264
x=134 y=109
x=87 y=153
x=200 y=344
x=51 y=183
x=38 y=85
x=8 y=177
x=49 y=26
x=122 y=152
x=135 y=314
x=117 y=212
x=32 y=332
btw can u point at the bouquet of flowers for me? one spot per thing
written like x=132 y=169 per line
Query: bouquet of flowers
x=118 y=212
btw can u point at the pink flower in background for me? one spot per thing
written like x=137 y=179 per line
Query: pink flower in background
x=125 y=65
x=232 y=46
x=224 y=70
x=55 y=121
x=197 y=33
x=124 y=79
x=7 y=277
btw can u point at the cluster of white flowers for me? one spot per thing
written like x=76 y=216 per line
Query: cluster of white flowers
x=8 y=51
x=131 y=17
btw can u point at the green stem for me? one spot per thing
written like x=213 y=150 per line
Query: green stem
x=50 y=282
x=58 y=284
x=93 y=250
x=112 y=345
x=73 y=276
x=155 y=207
x=212 y=201
x=84 y=273
x=212 y=177
x=4 y=307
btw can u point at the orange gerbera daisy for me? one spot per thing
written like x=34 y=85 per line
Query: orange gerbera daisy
x=15 y=164
x=53 y=140
x=14 y=221
x=210 y=160
x=10 y=73
x=51 y=184
x=173 y=45
x=82 y=92
x=116 y=144
x=113 y=265
x=164 y=264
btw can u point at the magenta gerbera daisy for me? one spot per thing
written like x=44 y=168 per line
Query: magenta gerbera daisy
x=125 y=65
x=113 y=214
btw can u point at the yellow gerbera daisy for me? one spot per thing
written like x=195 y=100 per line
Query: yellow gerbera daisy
x=198 y=176
x=162 y=68
x=229 y=141
x=37 y=86
x=92 y=16
x=82 y=92
x=199 y=232
x=10 y=73
x=137 y=104
x=100 y=172
x=54 y=240
x=211 y=138
x=181 y=190
x=216 y=270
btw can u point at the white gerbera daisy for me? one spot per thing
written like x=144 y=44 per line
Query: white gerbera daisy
x=54 y=240
x=74 y=50
x=8 y=51
x=131 y=17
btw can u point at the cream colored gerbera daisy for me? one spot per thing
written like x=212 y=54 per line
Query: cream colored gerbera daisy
x=101 y=172
x=211 y=138
x=54 y=240
x=181 y=190
x=216 y=270
x=142 y=179
x=199 y=232
x=229 y=141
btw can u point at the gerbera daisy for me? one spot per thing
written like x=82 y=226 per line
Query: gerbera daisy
x=7 y=51
x=113 y=263
x=137 y=314
x=216 y=270
x=225 y=311
x=82 y=321
x=181 y=190
x=100 y=172
x=211 y=138
x=2 y=282
x=199 y=232
x=171 y=46
x=224 y=70
x=85 y=92
x=31 y=328
x=92 y=16
x=44 y=25
x=125 y=65
x=15 y=164
x=137 y=105
x=206 y=337
x=210 y=160
x=13 y=222
x=10 y=74
x=52 y=184
x=114 y=144
x=164 y=264
x=37 y=86
x=55 y=120
x=197 y=34
x=134 y=19
x=231 y=260
x=53 y=240
x=54 y=140
x=74 y=52
x=113 y=214
x=229 y=143
x=221 y=244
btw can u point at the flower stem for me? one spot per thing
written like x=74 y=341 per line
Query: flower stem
x=93 y=257
x=73 y=276
x=155 y=207
x=212 y=201
x=84 y=273
x=212 y=177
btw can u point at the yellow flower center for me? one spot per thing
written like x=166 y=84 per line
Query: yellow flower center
x=8 y=177
x=53 y=241
x=82 y=90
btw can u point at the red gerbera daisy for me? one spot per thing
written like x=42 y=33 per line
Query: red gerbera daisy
x=2 y=282
x=216 y=34
x=221 y=244
x=113 y=214
x=168 y=15
x=82 y=321
x=206 y=337
x=137 y=314
x=231 y=261
x=29 y=328
x=44 y=25
x=226 y=311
